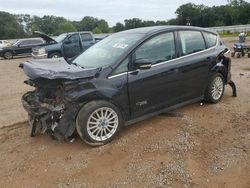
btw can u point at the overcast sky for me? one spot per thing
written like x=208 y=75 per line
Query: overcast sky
x=112 y=11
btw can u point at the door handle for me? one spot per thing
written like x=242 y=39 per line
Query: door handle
x=172 y=71
x=209 y=58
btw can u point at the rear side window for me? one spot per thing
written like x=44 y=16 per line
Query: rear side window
x=35 y=42
x=191 y=42
x=211 y=39
x=25 y=43
x=86 y=37
x=158 y=49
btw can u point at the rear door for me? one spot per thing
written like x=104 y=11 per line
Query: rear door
x=196 y=61
x=87 y=40
x=158 y=87
x=72 y=46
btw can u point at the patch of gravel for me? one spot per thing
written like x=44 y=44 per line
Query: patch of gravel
x=172 y=173
x=223 y=159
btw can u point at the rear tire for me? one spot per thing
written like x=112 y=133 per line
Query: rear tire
x=98 y=122
x=232 y=54
x=215 y=89
x=55 y=55
x=238 y=55
x=8 y=55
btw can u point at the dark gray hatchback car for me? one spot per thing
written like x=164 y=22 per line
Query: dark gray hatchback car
x=125 y=78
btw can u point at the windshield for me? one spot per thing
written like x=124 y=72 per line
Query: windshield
x=61 y=37
x=16 y=43
x=107 y=51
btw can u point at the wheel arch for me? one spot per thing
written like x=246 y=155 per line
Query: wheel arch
x=55 y=51
x=224 y=68
x=86 y=99
x=9 y=50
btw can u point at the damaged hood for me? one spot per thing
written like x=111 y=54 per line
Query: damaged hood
x=45 y=37
x=55 y=69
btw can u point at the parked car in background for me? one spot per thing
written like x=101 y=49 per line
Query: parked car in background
x=20 y=47
x=4 y=43
x=67 y=45
x=125 y=78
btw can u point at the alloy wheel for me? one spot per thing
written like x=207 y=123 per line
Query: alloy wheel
x=217 y=88
x=102 y=124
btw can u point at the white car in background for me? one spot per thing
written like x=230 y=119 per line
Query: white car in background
x=4 y=43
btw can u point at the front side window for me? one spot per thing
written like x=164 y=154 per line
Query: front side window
x=191 y=42
x=123 y=67
x=157 y=49
x=74 y=38
x=211 y=39
x=61 y=37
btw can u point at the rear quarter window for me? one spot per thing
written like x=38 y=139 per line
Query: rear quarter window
x=191 y=42
x=211 y=39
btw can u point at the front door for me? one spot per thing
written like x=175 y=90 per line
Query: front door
x=72 y=46
x=159 y=86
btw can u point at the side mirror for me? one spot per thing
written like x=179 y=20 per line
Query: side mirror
x=142 y=64
x=67 y=42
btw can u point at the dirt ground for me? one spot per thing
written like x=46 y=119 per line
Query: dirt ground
x=195 y=146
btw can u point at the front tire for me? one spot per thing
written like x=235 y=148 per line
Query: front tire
x=215 y=89
x=8 y=55
x=55 y=55
x=99 y=122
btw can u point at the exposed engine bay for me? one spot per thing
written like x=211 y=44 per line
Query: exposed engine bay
x=50 y=110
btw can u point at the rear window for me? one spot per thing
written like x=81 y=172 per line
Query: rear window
x=191 y=42
x=211 y=39
x=86 y=37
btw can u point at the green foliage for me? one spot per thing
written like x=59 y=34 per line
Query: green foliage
x=235 y=12
x=47 y=24
x=97 y=30
x=65 y=27
x=9 y=27
x=120 y=27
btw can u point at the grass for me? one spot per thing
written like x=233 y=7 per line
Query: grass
x=231 y=34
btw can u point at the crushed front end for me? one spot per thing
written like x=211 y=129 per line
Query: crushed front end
x=50 y=110
x=53 y=106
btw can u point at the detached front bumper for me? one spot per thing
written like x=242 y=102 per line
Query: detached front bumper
x=39 y=56
x=58 y=121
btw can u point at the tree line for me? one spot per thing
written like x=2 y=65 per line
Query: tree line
x=22 y=25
